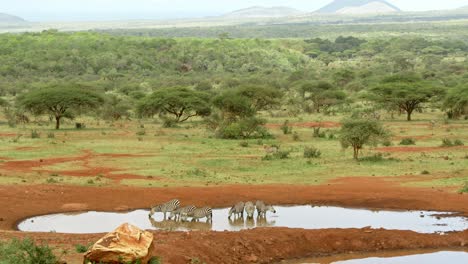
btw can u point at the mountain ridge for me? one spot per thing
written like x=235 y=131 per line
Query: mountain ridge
x=341 y=5
x=261 y=11
x=10 y=19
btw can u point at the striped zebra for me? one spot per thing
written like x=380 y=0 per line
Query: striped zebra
x=262 y=209
x=259 y=204
x=237 y=210
x=184 y=211
x=200 y=213
x=165 y=208
x=249 y=209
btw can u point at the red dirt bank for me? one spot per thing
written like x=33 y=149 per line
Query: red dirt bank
x=261 y=245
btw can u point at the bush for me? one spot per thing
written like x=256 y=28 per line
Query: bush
x=286 y=128
x=407 y=142
x=311 y=153
x=296 y=136
x=374 y=158
x=35 y=134
x=80 y=126
x=464 y=189
x=244 y=144
x=169 y=123
x=280 y=154
x=425 y=172
x=50 y=135
x=26 y=252
x=141 y=133
x=387 y=143
x=81 y=248
x=245 y=128
x=448 y=143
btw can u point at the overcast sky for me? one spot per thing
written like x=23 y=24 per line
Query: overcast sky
x=48 y=10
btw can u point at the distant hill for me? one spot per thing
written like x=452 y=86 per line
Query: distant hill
x=260 y=11
x=9 y=19
x=359 y=7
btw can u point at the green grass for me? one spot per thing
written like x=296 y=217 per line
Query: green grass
x=189 y=156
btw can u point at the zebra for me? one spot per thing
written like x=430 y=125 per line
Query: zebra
x=262 y=209
x=184 y=211
x=249 y=209
x=237 y=210
x=259 y=204
x=200 y=213
x=165 y=208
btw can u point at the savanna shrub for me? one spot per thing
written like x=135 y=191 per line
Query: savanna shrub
x=447 y=143
x=296 y=136
x=407 y=142
x=311 y=153
x=244 y=144
x=464 y=189
x=35 y=134
x=286 y=128
x=26 y=252
x=374 y=158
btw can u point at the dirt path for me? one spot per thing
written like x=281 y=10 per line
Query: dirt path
x=261 y=245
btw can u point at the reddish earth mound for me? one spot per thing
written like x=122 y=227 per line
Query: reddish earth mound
x=308 y=125
x=417 y=149
x=264 y=245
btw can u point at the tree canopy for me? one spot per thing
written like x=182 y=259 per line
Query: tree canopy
x=322 y=94
x=407 y=92
x=359 y=132
x=456 y=101
x=60 y=101
x=183 y=103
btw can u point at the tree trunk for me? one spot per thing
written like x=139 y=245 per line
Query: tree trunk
x=57 y=122
x=356 y=153
x=409 y=112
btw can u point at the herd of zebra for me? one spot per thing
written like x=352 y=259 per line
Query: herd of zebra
x=179 y=213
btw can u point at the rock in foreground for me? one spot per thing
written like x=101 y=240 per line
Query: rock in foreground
x=126 y=244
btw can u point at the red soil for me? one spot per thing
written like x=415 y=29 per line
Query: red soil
x=28 y=166
x=263 y=245
x=7 y=135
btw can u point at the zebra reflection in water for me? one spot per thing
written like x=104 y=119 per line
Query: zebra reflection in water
x=240 y=223
x=171 y=225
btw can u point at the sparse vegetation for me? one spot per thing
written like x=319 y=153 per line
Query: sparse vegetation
x=26 y=252
x=407 y=142
x=311 y=153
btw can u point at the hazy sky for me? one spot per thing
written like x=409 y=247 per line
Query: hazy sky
x=39 y=10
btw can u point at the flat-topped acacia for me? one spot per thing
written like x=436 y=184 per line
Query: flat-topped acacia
x=59 y=101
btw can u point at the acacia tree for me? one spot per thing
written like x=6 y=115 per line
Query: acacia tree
x=61 y=102
x=238 y=108
x=322 y=94
x=356 y=133
x=456 y=102
x=407 y=92
x=181 y=102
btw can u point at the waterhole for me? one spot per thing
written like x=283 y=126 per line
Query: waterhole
x=307 y=217
x=449 y=257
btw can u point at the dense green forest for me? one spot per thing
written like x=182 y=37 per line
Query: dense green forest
x=310 y=74
x=443 y=29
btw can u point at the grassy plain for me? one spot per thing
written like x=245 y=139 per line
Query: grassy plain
x=144 y=154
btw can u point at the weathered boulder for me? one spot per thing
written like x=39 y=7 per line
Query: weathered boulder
x=126 y=244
